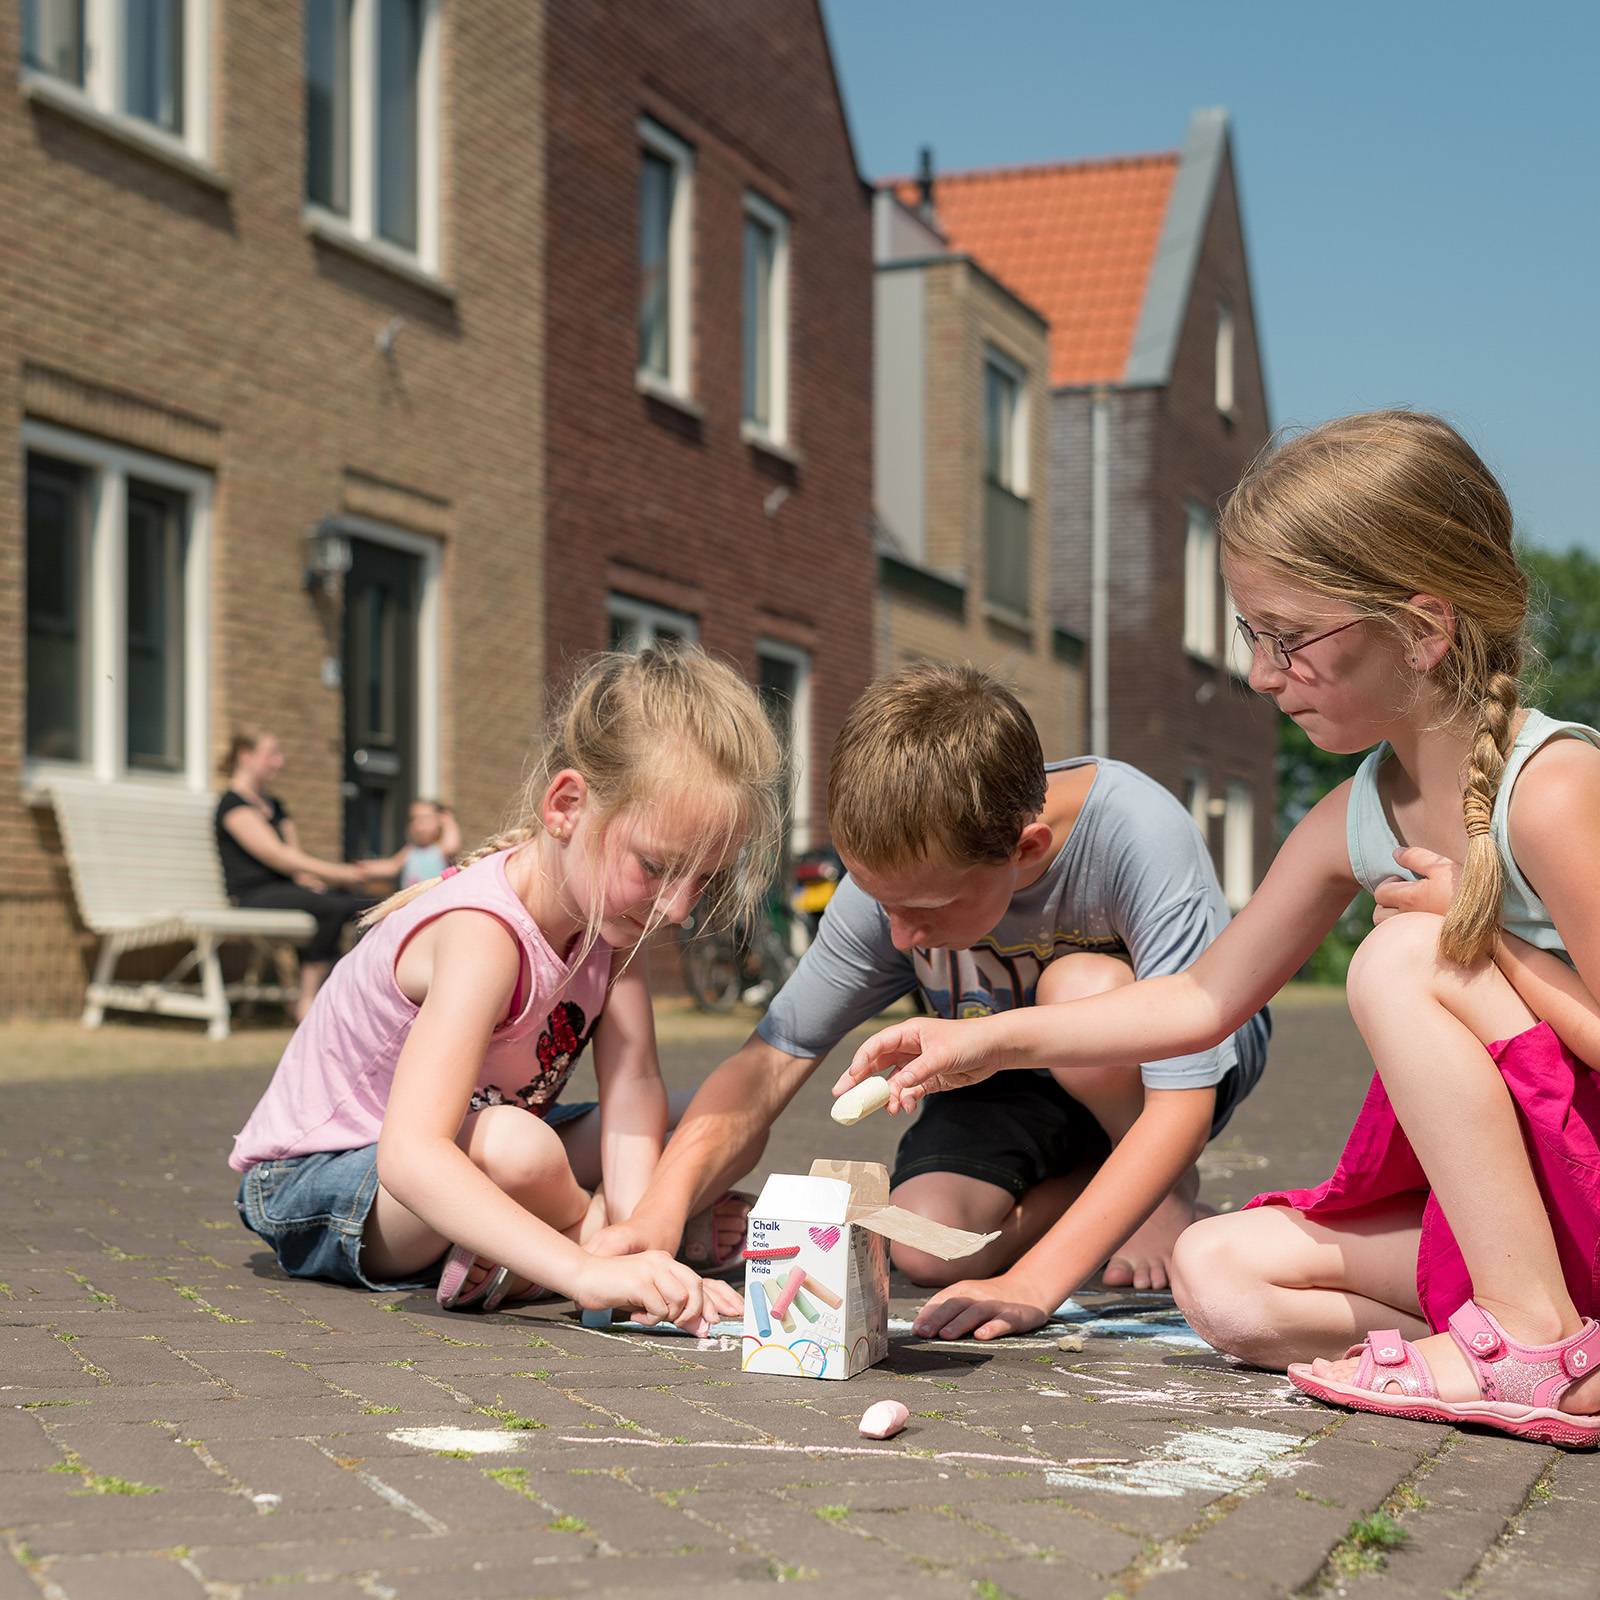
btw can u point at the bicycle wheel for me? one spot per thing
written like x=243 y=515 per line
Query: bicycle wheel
x=710 y=969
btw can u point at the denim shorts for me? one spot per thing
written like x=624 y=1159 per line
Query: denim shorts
x=1016 y=1129
x=313 y=1209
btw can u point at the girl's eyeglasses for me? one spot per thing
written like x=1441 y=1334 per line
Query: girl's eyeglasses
x=1273 y=647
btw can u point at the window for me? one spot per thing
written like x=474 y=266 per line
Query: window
x=766 y=321
x=372 y=122
x=1197 y=799
x=1005 y=484
x=637 y=623
x=1238 y=844
x=116 y=609
x=666 y=182
x=1235 y=650
x=1224 y=361
x=140 y=62
x=785 y=689
x=1200 y=581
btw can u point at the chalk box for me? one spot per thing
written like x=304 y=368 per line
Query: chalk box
x=839 y=1221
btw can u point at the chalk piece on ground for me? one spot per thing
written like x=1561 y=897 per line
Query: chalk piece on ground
x=1070 y=1341
x=597 y=1319
x=884 y=1419
x=871 y=1094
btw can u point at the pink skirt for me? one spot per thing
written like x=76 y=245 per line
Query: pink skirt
x=1558 y=1105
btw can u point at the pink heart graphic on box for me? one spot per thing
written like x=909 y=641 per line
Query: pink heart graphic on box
x=824 y=1238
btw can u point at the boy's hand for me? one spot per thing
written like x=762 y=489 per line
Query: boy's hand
x=986 y=1308
x=1433 y=892
x=932 y=1055
x=658 y=1289
x=629 y=1238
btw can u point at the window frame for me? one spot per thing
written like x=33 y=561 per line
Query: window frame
x=1202 y=575
x=101 y=98
x=108 y=467
x=1238 y=843
x=800 y=738
x=1017 y=445
x=360 y=226
x=1223 y=367
x=776 y=431
x=678 y=383
x=652 y=617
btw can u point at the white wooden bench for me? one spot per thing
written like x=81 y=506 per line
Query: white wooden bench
x=145 y=871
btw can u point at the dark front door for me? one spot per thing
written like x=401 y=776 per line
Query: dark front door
x=381 y=594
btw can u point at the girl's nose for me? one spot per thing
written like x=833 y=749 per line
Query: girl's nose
x=1265 y=678
x=678 y=901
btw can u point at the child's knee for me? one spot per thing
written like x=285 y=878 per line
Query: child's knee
x=1400 y=951
x=1077 y=976
x=517 y=1149
x=924 y=1270
x=1218 y=1284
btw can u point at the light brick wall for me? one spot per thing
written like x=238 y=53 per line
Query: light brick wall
x=138 y=303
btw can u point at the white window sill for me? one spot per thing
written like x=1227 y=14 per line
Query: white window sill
x=328 y=229
x=130 y=132
x=658 y=388
x=1020 y=621
x=762 y=440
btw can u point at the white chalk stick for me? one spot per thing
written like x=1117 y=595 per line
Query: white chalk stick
x=871 y=1094
x=884 y=1419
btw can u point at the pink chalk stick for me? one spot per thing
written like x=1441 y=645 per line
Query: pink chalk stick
x=884 y=1419
x=791 y=1287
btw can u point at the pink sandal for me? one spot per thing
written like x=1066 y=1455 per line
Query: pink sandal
x=1519 y=1385
x=455 y=1295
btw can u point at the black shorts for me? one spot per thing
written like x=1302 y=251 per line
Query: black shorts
x=1016 y=1129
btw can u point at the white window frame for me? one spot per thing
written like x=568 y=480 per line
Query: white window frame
x=1017 y=444
x=679 y=381
x=777 y=430
x=1197 y=798
x=649 y=619
x=800 y=745
x=1236 y=651
x=431 y=551
x=1224 y=364
x=361 y=226
x=1201 y=580
x=101 y=99
x=106 y=611
x=1238 y=843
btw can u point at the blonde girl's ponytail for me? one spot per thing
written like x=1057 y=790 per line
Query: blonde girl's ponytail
x=1472 y=925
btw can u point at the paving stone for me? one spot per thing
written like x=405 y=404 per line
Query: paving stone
x=1193 y=1584
x=1035 y=1580
x=15 y=1584
x=299 y=1472
x=326 y=1558
x=123 y=1578
x=1077 y=1539
x=1281 y=1541
x=930 y=1536
x=1444 y=1546
x=1485 y=1472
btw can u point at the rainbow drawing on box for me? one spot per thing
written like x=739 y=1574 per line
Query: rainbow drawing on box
x=811 y=1357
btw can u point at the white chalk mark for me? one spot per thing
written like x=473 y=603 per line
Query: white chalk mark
x=838 y=1450
x=1201 y=1460
x=385 y=1492
x=1176 y=1394
x=475 y=1441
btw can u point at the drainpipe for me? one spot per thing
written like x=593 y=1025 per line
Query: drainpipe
x=1099 y=574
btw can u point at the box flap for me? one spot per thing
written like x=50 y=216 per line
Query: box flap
x=819 y=1198
x=869 y=1206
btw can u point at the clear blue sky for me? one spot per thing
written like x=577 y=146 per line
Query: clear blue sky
x=1420 y=181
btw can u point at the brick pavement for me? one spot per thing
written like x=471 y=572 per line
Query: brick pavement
x=177 y=1418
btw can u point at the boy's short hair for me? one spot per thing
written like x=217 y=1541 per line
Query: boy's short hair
x=934 y=755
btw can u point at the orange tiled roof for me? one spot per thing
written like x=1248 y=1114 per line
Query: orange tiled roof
x=1075 y=240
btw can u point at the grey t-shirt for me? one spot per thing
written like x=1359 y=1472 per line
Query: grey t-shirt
x=1133 y=879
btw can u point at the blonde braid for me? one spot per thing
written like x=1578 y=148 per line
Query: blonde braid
x=1472 y=926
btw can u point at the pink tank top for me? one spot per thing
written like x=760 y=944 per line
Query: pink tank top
x=332 y=1085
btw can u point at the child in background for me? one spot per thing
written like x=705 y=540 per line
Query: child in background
x=1372 y=561
x=433 y=841
x=413 y=1123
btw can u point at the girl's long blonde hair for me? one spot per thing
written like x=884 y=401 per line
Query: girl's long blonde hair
x=668 y=730
x=1370 y=510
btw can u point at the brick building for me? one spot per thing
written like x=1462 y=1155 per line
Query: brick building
x=1157 y=407
x=961 y=471
x=709 y=381
x=315 y=328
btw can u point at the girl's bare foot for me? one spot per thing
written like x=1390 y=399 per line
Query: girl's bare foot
x=1145 y=1261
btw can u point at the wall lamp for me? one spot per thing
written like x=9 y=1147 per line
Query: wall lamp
x=327 y=556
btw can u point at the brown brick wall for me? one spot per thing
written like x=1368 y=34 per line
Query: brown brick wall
x=1170 y=446
x=642 y=498
x=134 y=293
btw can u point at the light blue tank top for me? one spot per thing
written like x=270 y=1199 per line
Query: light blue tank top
x=1372 y=842
x=423 y=861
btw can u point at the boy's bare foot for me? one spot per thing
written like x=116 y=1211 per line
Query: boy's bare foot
x=1145 y=1261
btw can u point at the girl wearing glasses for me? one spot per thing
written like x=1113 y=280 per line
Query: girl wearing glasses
x=1372 y=560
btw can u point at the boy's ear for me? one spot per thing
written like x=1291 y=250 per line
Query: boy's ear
x=1034 y=842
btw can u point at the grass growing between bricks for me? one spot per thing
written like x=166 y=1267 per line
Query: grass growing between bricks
x=1363 y=1548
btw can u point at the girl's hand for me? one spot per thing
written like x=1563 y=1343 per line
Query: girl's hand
x=1433 y=892
x=658 y=1289
x=932 y=1055
x=985 y=1308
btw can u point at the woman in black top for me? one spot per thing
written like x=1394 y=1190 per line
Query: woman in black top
x=263 y=864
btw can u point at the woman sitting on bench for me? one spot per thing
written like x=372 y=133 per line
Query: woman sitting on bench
x=263 y=864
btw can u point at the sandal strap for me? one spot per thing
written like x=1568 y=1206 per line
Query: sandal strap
x=1536 y=1375
x=1387 y=1358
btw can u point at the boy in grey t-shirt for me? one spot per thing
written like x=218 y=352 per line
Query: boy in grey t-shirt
x=989 y=881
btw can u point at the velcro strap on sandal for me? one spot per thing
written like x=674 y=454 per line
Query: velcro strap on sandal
x=1476 y=1334
x=1582 y=1356
x=1387 y=1347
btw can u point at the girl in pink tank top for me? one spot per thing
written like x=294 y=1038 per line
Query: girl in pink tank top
x=412 y=1128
